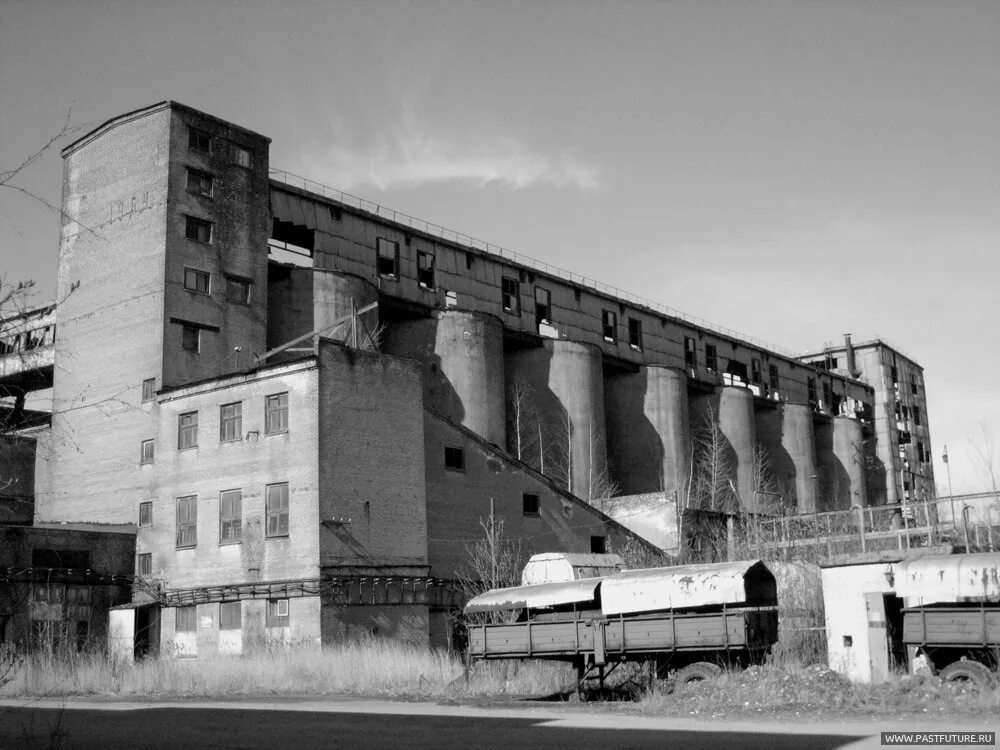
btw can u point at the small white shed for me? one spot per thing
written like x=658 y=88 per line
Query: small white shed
x=552 y=567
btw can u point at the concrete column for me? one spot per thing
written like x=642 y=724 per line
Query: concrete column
x=737 y=422
x=848 y=449
x=649 y=436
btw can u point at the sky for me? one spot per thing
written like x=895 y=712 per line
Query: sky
x=790 y=170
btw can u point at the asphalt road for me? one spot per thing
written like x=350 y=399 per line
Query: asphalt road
x=391 y=726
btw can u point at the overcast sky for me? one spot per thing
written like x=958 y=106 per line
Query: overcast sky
x=791 y=170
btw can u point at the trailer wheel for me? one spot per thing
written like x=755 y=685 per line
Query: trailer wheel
x=697 y=672
x=970 y=672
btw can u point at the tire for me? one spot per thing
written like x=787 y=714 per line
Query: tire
x=697 y=672
x=969 y=672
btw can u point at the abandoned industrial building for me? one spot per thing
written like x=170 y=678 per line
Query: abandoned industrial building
x=306 y=403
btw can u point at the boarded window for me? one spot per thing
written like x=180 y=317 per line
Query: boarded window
x=187 y=521
x=187 y=430
x=276 y=413
x=387 y=258
x=510 y=295
x=230 y=616
x=276 y=503
x=230 y=516
x=277 y=613
x=230 y=422
x=186 y=619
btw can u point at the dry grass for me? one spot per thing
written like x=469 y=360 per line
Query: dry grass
x=376 y=668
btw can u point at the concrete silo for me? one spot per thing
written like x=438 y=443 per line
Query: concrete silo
x=785 y=432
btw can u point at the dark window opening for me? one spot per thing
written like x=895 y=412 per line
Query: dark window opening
x=826 y=394
x=597 y=545
x=737 y=370
x=60 y=559
x=302 y=238
x=894 y=376
x=835 y=401
x=468 y=260
x=510 y=294
x=711 y=357
x=425 y=270
x=755 y=372
x=773 y=376
x=387 y=258
x=690 y=353
x=197 y=229
x=197 y=281
x=238 y=290
x=913 y=386
x=530 y=504
x=811 y=390
x=635 y=334
x=336 y=213
x=199 y=183
x=921 y=454
x=916 y=415
x=609 y=325
x=200 y=141
x=454 y=458
x=190 y=338
x=543 y=306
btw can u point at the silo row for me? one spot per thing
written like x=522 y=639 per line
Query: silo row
x=589 y=425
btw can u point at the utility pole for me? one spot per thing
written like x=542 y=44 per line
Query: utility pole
x=951 y=494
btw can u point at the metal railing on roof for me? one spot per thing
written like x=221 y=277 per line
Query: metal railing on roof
x=451 y=235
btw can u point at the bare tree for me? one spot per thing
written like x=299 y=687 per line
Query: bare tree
x=494 y=562
x=523 y=424
x=713 y=468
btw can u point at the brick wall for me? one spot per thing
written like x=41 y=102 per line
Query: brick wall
x=17 y=478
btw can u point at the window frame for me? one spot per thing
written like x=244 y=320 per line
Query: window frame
x=197 y=224
x=232 y=521
x=230 y=612
x=143 y=446
x=539 y=306
x=200 y=178
x=235 y=149
x=426 y=274
x=187 y=330
x=510 y=295
x=186 y=619
x=145 y=510
x=197 y=276
x=279 y=512
x=711 y=357
x=635 y=333
x=195 y=136
x=228 y=421
x=384 y=242
x=245 y=285
x=148 y=390
x=773 y=377
x=191 y=429
x=273 y=617
x=609 y=322
x=690 y=353
x=190 y=504
x=279 y=409
x=144 y=564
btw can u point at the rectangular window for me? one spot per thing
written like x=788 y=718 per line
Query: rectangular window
x=711 y=357
x=199 y=140
x=146 y=452
x=827 y=399
x=543 y=306
x=230 y=616
x=425 y=270
x=197 y=229
x=187 y=521
x=148 y=389
x=186 y=619
x=190 y=338
x=894 y=375
x=811 y=389
x=609 y=325
x=276 y=508
x=276 y=413
x=199 y=183
x=387 y=261
x=146 y=513
x=230 y=422
x=773 y=377
x=916 y=415
x=145 y=567
x=196 y=281
x=237 y=290
x=277 y=613
x=597 y=545
x=510 y=295
x=690 y=354
x=187 y=430
x=530 y=504
x=454 y=458
x=230 y=516
x=921 y=454
x=635 y=334
x=913 y=385
x=239 y=156
x=755 y=372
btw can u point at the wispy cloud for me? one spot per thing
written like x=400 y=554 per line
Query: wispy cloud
x=412 y=159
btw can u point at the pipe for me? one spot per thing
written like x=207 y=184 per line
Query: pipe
x=852 y=363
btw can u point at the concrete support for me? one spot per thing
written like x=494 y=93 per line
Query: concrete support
x=649 y=436
x=848 y=449
x=462 y=353
x=565 y=383
x=785 y=432
x=736 y=420
x=828 y=482
x=725 y=427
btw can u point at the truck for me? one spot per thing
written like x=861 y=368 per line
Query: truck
x=951 y=615
x=686 y=622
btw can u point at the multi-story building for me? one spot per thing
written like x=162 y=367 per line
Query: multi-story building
x=308 y=404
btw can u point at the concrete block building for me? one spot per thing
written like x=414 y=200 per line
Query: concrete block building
x=307 y=403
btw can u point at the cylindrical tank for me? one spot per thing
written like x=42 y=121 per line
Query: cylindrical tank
x=462 y=353
x=649 y=437
x=564 y=380
x=736 y=420
x=335 y=295
x=785 y=432
x=849 y=450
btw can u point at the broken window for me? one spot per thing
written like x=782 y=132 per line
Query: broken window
x=230 y=616
x=187 y=521
x=185 y=619
x=921 y=455
x=894 y=376
x=711 y=357
x=755 y=373
x=148 y=389
x=510 y=295
x=690 y=353
x=231 y=422
x=187 y=430
x=609 y=325
x=736 y=372
x=811 y=390
x=450 y=299
x=913 y=385
x=190 y=338
x=635 y=334
x=199 y=183
x=276 y=509
x=826 y=394
x=239 y=155
x=197 y=281
x=773 y=377
x=530 y=504
x=146 y=513
x=276 y=413
x=197 y=229
x=543 y=306
x=425 y=270
x=916 y=415
x=230 y=516
x=146 y=452
x=238 y=290
x=145 y=567
x=387 y=259
x=277 y=613
x=454 y=458
x=597 y=545
x=200 y=141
